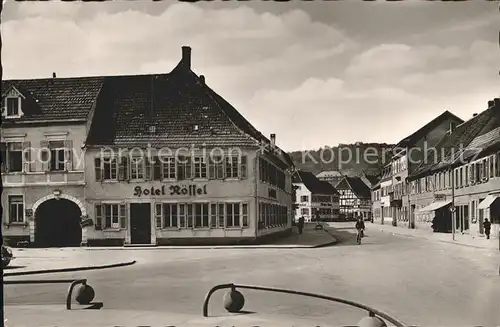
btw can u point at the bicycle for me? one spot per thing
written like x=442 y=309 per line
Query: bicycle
x=359 y=236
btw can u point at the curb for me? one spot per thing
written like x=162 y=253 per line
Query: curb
x=62 y=270
x=440 y=241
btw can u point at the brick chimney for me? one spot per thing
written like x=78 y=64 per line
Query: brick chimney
x=186 y=56
x=202 y=79
x=491 y=103
x=273 y=140
x=54 y=75
x=496 y=102
x=474 y=114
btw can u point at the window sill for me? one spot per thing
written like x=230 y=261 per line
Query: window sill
x=10 y=224
x=14 y=173
x=113 y=229
x=109 y=181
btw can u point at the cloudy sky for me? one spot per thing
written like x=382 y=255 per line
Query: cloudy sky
x=316 y=73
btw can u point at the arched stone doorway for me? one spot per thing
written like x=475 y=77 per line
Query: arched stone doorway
x=57 y=223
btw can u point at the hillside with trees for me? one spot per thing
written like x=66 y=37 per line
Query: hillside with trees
x=350 y=159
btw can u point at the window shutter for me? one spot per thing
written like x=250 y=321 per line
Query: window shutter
x=123 y=215
x=98 y=217
x=157 y=171
x=158 y=212
x=98 y=169
x=243 y=167
x=3 y=155
x=122 y=168
x=189 y=168
x=148 y=173
x=68 y=154
x=108 y=215
x=45 y=155
x=26 y=156
x=211 y=167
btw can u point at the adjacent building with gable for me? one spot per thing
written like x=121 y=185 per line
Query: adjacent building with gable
x=355 y=198
x=315 y=197
x=462 y=178
x=45 y=123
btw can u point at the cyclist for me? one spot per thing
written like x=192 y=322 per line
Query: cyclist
x=360 y=225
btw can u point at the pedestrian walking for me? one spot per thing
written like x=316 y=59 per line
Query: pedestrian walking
x=487 y=228
x=300 y=224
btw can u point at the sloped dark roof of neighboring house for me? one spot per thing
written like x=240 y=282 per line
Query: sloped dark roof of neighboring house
x=56 y=98
x=356 y=185
x=372 y=178
x=420 y=133
x=313 y=184
x=472 y=135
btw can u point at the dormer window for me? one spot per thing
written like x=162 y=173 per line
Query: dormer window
x=11 y=103
x=12 y=107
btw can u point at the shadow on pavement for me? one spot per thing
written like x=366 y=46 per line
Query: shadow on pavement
x=13 y=267
x=345 y=238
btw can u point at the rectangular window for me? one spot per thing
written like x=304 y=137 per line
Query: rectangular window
x=216 y=167
x=233 y=215
x=16 y=209
x=12 y=107
x=461 y=177
x=137 y=168
x=159 y=215
x=110 y=168
x=232 y=167
x=12 y=156
x=111 y=215
x=184 y=168
x=200 y=167
x=201 y=215
x=304 y=198
x=190 y=215
x=57 y=156
x=492 y=166
x=169 y=215
x=466 y=172
x=182 y=215
x=168 y=168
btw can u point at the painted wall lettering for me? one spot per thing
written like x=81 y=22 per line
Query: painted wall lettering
x=186 y=190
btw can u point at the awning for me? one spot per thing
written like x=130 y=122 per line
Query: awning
x=486 y=203
x=434 y=206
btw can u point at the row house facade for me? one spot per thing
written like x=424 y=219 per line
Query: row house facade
x=315 y=197
x=463 y=180
x=355 y=198
x=43 y=172
x=381 y=209
x=407 y=156
x=165 y=160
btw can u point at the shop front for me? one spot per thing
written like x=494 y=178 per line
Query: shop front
x=159 y=213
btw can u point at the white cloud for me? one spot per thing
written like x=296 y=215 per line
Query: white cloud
x=304 y=80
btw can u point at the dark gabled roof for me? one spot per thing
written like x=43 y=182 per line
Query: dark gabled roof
x=413 y=138
x=313 y=184
x=356 y=185
x=175 y=102
x=472 y=136
x=56 y=98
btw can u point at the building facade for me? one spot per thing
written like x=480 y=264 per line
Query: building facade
x=180 y=165
x=42 y=135
x=407 y=156
x=384 y=196
x=315 y=197
x=464 y=182
x=146 y=159
x=355 y=198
